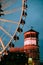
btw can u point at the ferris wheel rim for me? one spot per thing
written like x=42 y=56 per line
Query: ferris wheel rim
x=16 y=29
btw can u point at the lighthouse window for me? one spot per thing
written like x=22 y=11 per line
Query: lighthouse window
x=30 y=35
x=27 y=36
x=33 y=35
x=30 y=41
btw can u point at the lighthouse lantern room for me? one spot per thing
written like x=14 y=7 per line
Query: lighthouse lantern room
x=31 y=37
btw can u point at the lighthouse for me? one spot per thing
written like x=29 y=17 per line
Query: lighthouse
x=31 y=46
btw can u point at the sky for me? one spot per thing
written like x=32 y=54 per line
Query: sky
x=34 y=18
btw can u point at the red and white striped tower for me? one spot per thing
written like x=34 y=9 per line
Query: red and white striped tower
x=31 y=46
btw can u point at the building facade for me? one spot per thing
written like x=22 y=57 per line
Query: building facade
x=28 y=54
x=31 y=47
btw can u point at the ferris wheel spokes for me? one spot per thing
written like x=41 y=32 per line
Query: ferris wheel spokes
x=11 y=11
x=7 y=4
x=9 y=21
x=10 y=28
x=6 y=32
x=2 y=44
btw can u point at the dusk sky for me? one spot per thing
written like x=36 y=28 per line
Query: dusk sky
x=34 y=18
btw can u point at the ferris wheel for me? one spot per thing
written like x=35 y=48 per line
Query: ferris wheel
x=12 y=20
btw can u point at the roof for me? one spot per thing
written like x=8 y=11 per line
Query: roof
x=31 y=30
